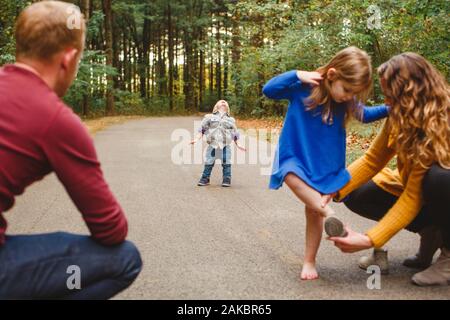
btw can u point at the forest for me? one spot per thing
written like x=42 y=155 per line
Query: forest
x=165 y=57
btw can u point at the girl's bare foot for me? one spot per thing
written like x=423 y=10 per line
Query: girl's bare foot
x=309 y=271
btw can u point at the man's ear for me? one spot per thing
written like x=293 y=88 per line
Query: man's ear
x=70 y=56
x=331 y=74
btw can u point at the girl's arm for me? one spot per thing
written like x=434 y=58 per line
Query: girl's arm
x=371 y=114
x=281 y=86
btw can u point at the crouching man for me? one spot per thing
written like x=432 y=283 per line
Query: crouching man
x=40 y=135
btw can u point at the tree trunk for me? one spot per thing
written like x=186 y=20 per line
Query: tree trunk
x=86 y=9
x=225 y=63
x=219 y=63
x=236 y=53
x=201 y=75
x=107 y=10
x=171 y=57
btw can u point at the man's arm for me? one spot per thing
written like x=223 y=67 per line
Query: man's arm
x=71 y=154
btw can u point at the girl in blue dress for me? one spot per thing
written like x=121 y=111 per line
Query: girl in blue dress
x=310 y=155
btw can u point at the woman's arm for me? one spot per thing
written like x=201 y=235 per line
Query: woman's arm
x=397 y=218
x=403 y=212
x=373 y=161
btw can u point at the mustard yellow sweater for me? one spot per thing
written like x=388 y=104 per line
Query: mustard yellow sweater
x=406 y=183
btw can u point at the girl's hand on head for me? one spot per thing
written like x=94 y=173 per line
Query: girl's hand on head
x=353 y=242
x=309 y=77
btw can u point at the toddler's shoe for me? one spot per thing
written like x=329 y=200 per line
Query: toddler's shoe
x=226 y=182
x=203 y=182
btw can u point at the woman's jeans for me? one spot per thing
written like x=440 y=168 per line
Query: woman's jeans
x=372 y=202
x=65 y=266
x=211 y=156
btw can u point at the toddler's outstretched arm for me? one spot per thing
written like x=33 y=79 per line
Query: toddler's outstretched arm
x=199 y=137
x=203 y=128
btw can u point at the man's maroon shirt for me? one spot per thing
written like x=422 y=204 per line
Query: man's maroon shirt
x=39 y=134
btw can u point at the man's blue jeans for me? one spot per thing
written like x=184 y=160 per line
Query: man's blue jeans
x=42 y=267
x=210 y=159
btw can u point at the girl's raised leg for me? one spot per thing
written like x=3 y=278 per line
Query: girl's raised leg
x=310 y=197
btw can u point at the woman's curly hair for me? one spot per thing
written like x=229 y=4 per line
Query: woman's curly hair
x=419 y=98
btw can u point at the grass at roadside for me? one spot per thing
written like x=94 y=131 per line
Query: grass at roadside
x=98 y=124
x=359 y=136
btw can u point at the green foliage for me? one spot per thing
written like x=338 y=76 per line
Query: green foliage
x=273 y=35
x=92 y=66
x=8 y=12
x=318 y=29
x=129 y=103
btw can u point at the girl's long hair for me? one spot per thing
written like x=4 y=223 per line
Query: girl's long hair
x=353 y=66
x=419 y=98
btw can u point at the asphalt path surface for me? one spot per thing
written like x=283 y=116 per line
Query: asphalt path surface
x=243 y=242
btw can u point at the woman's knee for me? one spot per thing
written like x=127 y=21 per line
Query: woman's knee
x=370 y=201
x=436 y=183
x=352 y=202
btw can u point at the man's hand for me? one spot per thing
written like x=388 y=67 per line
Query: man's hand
x=353 y=242
x=309 y=77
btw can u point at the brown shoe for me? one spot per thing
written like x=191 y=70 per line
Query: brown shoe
x=430 y=242
x=378 y=258
x=437 y=274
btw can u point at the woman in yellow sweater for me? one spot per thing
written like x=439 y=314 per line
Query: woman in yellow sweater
x=416 y=195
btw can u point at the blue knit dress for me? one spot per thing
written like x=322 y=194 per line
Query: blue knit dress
x=308 y=147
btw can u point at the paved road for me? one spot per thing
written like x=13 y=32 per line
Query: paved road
x=244 y=242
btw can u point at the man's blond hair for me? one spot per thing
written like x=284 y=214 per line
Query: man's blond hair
x=48 y=27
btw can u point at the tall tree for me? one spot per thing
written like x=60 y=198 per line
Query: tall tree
x=107 y=10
